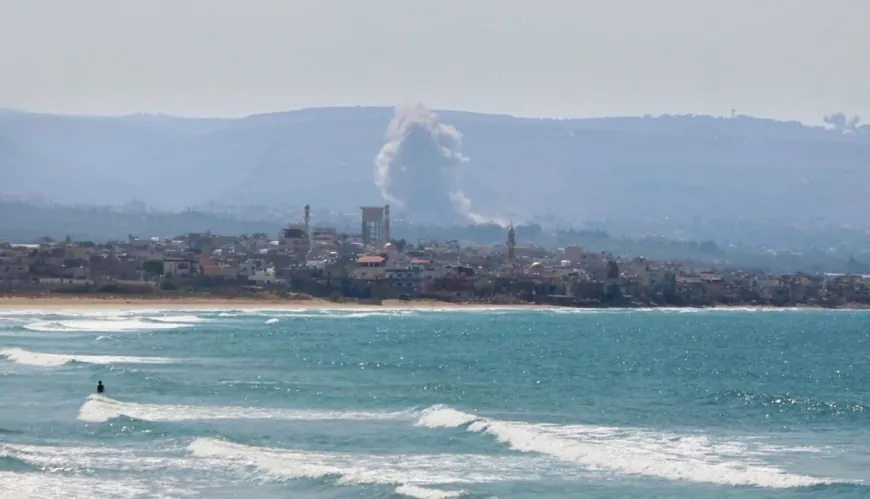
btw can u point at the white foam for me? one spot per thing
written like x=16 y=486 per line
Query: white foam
x=334 y=314
x=418 y=476
x=272 y=321
x=99 y=408
x=61 y=469
x=41 y=359
x=693 y=458
x=49 y=486
x=78 y=312
x=187 y=319
x=106 y=325
x=413 y=471
x=73 y=458
x=442 y=416
x=424 y=493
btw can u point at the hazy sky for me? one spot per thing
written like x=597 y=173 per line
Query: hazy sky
x=796 y=59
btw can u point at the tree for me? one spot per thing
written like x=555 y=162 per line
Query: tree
x=153 y=268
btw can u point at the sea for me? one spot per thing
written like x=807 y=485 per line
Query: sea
x=429 y=404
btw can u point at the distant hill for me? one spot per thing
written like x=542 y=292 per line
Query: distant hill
x=678 y=169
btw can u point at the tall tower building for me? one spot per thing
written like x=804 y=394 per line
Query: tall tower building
x=386 y=224
x=511 y=243
x=307 y=221
x=375 y=226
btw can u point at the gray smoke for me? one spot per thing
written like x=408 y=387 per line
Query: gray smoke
x=418 y=169
x=843 y=123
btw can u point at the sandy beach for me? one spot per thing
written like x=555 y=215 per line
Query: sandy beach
x=56 y=302
x=192 y=303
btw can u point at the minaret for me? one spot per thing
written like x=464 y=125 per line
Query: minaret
x=511 y=243
x=386 y=224
x=307 y=220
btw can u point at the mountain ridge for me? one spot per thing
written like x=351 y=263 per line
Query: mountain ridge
x=670 y=167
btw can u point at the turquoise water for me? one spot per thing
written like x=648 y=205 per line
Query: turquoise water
x=435 y=404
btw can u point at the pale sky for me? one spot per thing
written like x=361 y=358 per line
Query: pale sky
x=789 y=59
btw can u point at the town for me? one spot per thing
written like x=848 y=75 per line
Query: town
x=318 y=261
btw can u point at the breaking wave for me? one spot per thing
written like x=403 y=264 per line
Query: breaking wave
x=109 y=325
x=99 y=409
x=415 y=475
x=693 y=458
x=687 y=457
x=54 y=472
x=47 y=486
x=185 y=319
x=41 y=359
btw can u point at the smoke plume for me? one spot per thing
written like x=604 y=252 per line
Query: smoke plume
x=418 y=169
x=843 y=123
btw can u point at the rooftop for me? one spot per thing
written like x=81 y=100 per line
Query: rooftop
x=370 y=259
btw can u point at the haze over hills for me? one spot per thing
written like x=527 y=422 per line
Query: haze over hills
x=642 y=170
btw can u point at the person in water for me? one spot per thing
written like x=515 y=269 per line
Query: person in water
x=100 y=387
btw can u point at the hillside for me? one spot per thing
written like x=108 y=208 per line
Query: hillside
x=647 y=170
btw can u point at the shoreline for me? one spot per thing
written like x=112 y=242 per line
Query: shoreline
x=198 y=303
x=39 y=302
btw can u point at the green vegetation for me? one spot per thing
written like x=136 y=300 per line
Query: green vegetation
x=153 y=268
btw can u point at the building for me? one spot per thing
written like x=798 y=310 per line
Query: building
x=403 y=280
x=14 y=270
x=573 y=254
x=375 y=225
x=249 y=267
x=219 y=271
x=512 y=244
x=265 y=277
x=179 y=267
x=369 y=267
x=294 y=239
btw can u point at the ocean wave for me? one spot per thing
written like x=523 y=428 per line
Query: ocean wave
x=62 y=312
x=683 y=310
x=419 y=492
x=105 y=325
x=415 y=475
x=12 y=463
x=423 y=476
x=335 y=314
x=48 y=486
x=99 y=409
x=41 y=359
x=693 y=458
x=73 y=471
x=83 y=457
x=186 y=319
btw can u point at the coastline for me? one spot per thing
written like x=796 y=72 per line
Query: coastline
x=187 y=302
x=194 y=303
